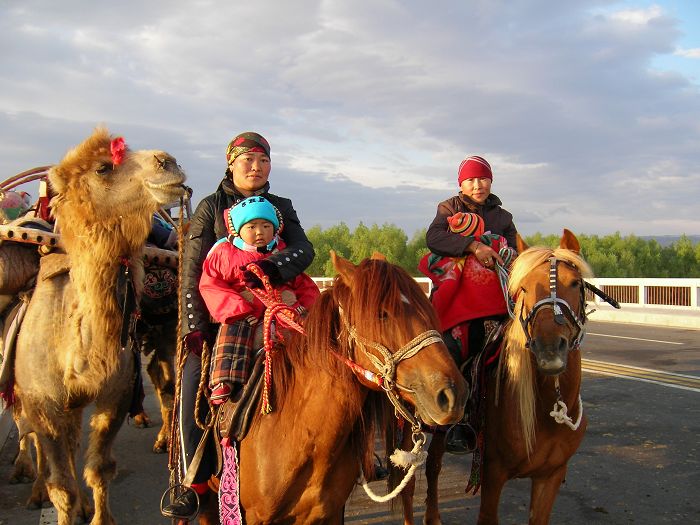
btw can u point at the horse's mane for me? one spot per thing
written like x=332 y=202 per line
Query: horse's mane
x=519 y=370
x=379 y=301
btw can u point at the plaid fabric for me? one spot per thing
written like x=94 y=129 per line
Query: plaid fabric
x=231 y=359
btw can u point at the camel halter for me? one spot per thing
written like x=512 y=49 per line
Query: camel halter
x=556 y=304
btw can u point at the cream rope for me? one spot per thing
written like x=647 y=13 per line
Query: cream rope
x=559 y=412
x=400 y=458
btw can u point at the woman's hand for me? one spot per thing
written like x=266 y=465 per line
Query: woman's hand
x=485 y=254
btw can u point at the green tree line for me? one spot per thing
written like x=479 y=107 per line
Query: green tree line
x=609 y=255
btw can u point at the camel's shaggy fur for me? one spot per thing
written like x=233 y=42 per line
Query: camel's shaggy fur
x=69 y=352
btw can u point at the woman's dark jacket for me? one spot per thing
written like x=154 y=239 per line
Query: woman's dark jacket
x=442 y=241
x=207 y=226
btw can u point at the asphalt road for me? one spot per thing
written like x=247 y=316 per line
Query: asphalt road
x=639 y=462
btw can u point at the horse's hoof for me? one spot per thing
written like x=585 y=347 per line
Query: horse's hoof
x=160 y=448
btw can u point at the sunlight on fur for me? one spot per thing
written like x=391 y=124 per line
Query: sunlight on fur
x=518 y=361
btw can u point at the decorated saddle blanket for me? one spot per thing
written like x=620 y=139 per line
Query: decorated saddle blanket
x=463 y=289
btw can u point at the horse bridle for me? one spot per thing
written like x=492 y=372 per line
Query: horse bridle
x=385 y=377
x=560 y=308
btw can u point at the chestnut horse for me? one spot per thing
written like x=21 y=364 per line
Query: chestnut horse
x=300 y=463
x=540 y=368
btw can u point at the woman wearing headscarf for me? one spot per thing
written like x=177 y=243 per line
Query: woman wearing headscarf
x=247 y=172
x=471 y=222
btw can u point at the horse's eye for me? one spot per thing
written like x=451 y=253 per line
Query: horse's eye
x=104 y=169
x=383 y=316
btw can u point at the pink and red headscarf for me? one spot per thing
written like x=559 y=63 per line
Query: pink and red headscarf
x=474 y=167
x=245 y=142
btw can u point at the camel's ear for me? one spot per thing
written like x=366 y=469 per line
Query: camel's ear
x=344 y=267
x=569 y=242
x=378 y=256
x=520 y=243
x=57 y=180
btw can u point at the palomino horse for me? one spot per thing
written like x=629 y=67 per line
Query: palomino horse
x=540 y=368
x=300 y=463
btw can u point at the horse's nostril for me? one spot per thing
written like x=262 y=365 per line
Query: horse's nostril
x=563 y=344
x=446 y=399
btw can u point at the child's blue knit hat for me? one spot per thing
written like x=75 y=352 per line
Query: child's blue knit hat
x=252 y=208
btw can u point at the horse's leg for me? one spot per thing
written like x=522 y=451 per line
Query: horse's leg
x=161 y=371
x=408 y=491
x=493 y=479
x=542 y=495
x=209 y=509
x=433 y=466
x=100 y=466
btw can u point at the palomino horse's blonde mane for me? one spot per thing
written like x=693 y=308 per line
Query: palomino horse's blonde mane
x=517 y=359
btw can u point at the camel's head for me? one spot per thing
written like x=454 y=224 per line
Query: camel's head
x=105 y=194
x=105 y=180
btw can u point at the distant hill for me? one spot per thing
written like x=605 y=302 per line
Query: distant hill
x=666 y=240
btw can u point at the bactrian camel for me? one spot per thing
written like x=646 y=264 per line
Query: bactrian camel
x=69 y=350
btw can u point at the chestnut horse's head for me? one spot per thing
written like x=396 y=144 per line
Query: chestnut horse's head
x=389 y=327
x=550 y=300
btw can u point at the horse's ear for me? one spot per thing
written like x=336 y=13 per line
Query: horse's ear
x=569 y=242
x=520 y=243
x=344 y=267
x=378 y=256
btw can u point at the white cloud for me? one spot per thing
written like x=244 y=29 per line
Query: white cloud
x=638 y=16
x=371 y=106
x=688 y=53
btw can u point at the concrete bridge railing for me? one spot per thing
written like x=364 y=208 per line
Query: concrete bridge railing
x=663 y=302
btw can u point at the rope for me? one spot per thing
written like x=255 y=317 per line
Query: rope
x=174 y=454
x=275 y=308
x=503 y=271
x=400 y=458
x=202 y=390
x=388 y=367
x=559 y=412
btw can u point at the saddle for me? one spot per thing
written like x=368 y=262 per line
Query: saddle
x=233 y=417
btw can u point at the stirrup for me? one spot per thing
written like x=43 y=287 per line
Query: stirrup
x=172 y=489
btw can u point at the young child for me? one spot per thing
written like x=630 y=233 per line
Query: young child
x=254 y=225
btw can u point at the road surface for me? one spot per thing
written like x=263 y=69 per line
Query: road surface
x=639 y=462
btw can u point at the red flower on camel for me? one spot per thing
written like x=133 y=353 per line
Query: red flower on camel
x=118 y=149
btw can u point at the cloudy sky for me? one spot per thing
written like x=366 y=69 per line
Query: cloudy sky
x=589 y=111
